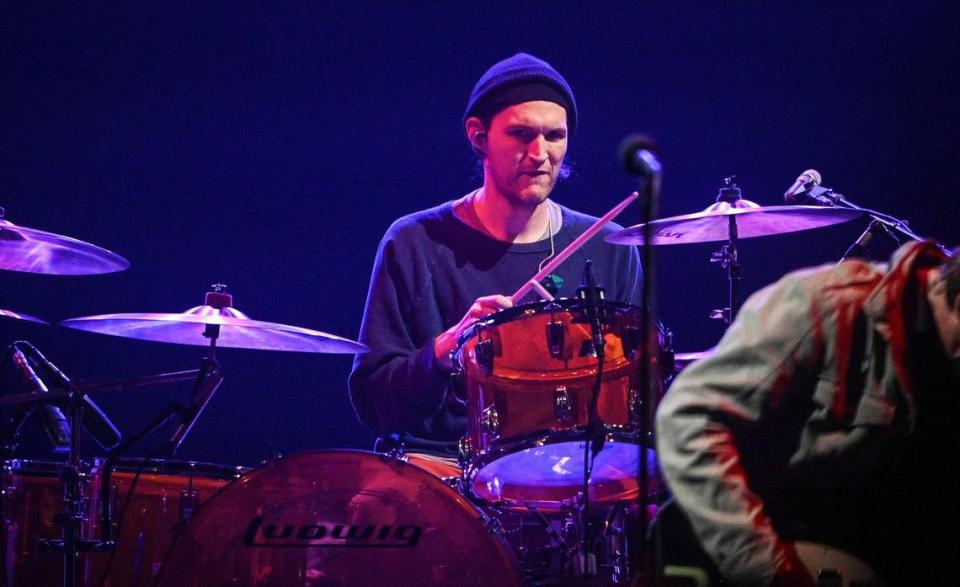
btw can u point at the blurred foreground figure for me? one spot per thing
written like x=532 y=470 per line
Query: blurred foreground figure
x=828 y=414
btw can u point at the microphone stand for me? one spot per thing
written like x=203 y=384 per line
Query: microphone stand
x=592 y=296
x=639 y=158
x=895 y=228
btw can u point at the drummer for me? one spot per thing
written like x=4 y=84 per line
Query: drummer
x=438 y=270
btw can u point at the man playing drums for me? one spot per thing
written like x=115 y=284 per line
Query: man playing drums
x=439 y=270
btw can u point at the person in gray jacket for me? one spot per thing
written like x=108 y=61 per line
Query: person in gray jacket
x=827 y=414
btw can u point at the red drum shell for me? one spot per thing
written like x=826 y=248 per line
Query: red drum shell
x=339 y=518
x=528 y=403
x=165 y=494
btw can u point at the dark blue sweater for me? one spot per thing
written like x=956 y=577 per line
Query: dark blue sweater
x=429 y=270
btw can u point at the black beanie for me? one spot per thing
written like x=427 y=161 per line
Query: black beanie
x=517 y=79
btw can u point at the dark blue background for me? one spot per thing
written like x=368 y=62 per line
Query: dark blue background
x=269 y=145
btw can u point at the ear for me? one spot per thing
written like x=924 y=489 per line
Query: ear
x=476 y=134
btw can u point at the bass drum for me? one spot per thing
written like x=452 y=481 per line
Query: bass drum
x=342 y=518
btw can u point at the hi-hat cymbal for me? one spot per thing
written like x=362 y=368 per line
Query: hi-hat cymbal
x=35 y=251
x=19 y=316
x=713 y=224
x=236 y=331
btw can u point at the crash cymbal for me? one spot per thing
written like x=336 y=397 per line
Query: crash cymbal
x=35 y=251
x=713 y=224
x=19 y=316
x=236 y=330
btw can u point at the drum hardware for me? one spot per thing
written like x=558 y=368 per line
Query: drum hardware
x=807 y=188
x=75 y=473
x=730 y=219
x=35 y=251
x=490 y=421
x=215 y=323
x=555 y=336
x=542 y=404
x=562 y=406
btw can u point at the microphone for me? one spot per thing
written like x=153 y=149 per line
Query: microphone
x=94 y=420
x=638 y=155
x=808 y=179
x=55 y=423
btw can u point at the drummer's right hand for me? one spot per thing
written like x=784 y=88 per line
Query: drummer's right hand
x=446 y=342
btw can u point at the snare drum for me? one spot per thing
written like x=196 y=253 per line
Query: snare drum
x=339 y=517
x=166 y=496
x=528 y=375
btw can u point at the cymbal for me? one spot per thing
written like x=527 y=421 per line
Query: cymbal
x=683 y=360
x=695 y=356
x=19 y=316
x=236 y=331
x=712 y=224
x=35 y=251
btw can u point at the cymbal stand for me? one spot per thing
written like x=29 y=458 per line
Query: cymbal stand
x=208 y=380
x=71 y=518
x=73 y=473
x=729 y=255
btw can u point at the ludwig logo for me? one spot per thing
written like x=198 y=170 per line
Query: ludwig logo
x=287 y=535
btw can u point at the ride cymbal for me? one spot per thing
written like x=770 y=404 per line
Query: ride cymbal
x=713 y=224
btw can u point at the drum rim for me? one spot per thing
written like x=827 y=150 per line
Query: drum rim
x=167 y=467
x=507 y=315
x=613 y=433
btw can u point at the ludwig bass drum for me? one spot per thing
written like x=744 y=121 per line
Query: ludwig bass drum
x=339 y=517
x=528 y=375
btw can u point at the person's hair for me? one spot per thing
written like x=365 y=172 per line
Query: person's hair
x=950 y=272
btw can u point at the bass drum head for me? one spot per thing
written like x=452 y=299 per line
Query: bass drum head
x=338 y=518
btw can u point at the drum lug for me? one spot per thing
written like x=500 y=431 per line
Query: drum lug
x=562 y=407
x=635 y=404
x=189 y=502
x=631 y=341
x=465 y=450
x=555 y=338
x=484 y=353
x=490 y=420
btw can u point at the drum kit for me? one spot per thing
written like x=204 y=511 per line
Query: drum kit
x=560 y=396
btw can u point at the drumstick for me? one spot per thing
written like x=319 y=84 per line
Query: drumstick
x=571 y=248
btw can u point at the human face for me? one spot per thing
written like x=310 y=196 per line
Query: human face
x=524 y=150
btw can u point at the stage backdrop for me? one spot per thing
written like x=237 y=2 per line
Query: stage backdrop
x=268 y=146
